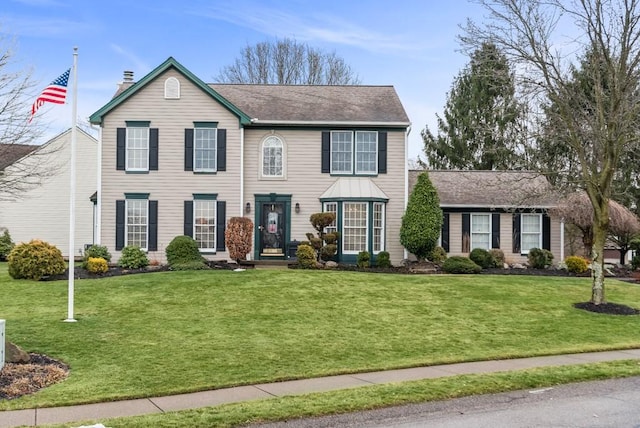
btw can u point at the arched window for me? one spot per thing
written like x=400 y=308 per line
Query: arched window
x=172 y=88
x=272 y=157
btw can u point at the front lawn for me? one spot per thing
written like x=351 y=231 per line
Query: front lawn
x=172 y=332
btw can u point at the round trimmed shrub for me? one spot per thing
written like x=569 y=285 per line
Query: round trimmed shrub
x=498 y=257
x=364 y=259
x=382 y=260
x=97 y=265
x=539 y=259
x=133 y=257
x=306 y=256
x=438 y=255
x=34 y=260
x=576 y=264
x=183 y=249
x=482 y=258
x=96 y=251
x=459 y=264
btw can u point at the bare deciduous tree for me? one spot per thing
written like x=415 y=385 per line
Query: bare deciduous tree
x=17 y=135
x=288 y=62
x=545 y=40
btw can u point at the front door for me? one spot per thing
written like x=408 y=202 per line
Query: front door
x=272 y=229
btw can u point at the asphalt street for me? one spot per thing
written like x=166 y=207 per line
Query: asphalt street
x=610 y=403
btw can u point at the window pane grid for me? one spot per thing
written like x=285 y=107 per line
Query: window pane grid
x=138 y=149
x=531 y=231
x=341 y=152
x=378 y=227
x=137 y=217
x=331 y=207
x=204 y=224
x=355 y=227
x=481 y=231
x=204 y=147
x=272 y=157
x=366 y=152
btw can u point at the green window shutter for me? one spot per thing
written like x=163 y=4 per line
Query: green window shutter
x=495 y=230
x=445 y=232
x=546 y=232
x=188 y=218
x=466 y=232
x=516 y=233
x=120 y=226
x=153 y=149
x=152 y=245
x=326 y=151
x=221 y=161
x=121 y=146
x=221 y=221
x=188 y=149
x=382 y=152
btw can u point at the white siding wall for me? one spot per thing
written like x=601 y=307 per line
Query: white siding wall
x=171 y=185
x=306 y=183
x=43 y=212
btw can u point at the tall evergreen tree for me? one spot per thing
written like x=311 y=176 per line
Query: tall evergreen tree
x=482 y=118
x=422 y=220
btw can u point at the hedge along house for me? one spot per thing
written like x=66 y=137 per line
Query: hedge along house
x=181 y=157
x=506 y=210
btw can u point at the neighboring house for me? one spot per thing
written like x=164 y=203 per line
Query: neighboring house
x=182 y=157
x=496 y=209
x=42 y=210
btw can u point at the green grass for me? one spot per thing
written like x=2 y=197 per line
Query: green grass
x=173 y=332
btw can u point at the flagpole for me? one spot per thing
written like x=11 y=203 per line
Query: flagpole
x=72 y=188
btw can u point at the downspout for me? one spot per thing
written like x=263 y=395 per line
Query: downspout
x=406 y=178
x=562 y=239
x=98 y=230
x=241 y=171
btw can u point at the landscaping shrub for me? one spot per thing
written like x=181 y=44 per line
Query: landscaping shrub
x=498 y=257
x=133 y=258
x=438 y=255
x=6 y=245
x=97 y=265
x=364 y=259
x=183 y=249
x=199 y=265
x=482 y=258
x=382 y=260
x=635 y=262
x=95 y=251
x=459 y=264
x=34 y=260
x=539 y=259
x=576 y=264
x=306 y=256
x=323 y=243
x=238 y=235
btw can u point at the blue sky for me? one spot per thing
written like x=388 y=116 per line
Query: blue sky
x=410 y=44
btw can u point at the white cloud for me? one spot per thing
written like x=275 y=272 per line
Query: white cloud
x=139 y=64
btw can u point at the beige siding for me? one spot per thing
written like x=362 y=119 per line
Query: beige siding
x=171 y=185
x=43 y=212
x=306 y=183
x=506 y=238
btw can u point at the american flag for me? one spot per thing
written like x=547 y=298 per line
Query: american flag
x=55 y=93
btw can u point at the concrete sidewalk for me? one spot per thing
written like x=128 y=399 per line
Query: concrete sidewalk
x=53 y=415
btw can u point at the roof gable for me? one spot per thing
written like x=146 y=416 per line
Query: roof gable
x=96 y=118
x=490 y=189
x=10 y=153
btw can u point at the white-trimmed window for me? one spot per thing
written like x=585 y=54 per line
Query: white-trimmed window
x=481 y=231
x=531 y=232
x=272 y=157
x=137 y=149
x=172 y=88
x=204 y=223
x=331 y=207
x=378 y=227
x=137 y=222
x=366 y=152
x=204 y=149
x=341 y=152
x=354 y=227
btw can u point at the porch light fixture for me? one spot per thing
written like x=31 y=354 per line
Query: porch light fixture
x=247 y=208
x=297 y=207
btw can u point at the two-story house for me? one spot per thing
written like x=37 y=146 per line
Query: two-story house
x=180 y=156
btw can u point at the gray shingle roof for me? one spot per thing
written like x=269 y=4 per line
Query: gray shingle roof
x=10 y=153
x=320 y=104
x=492 y=189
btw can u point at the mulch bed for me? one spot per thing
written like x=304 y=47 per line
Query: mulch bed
x=41 y=371
x=607 y=308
